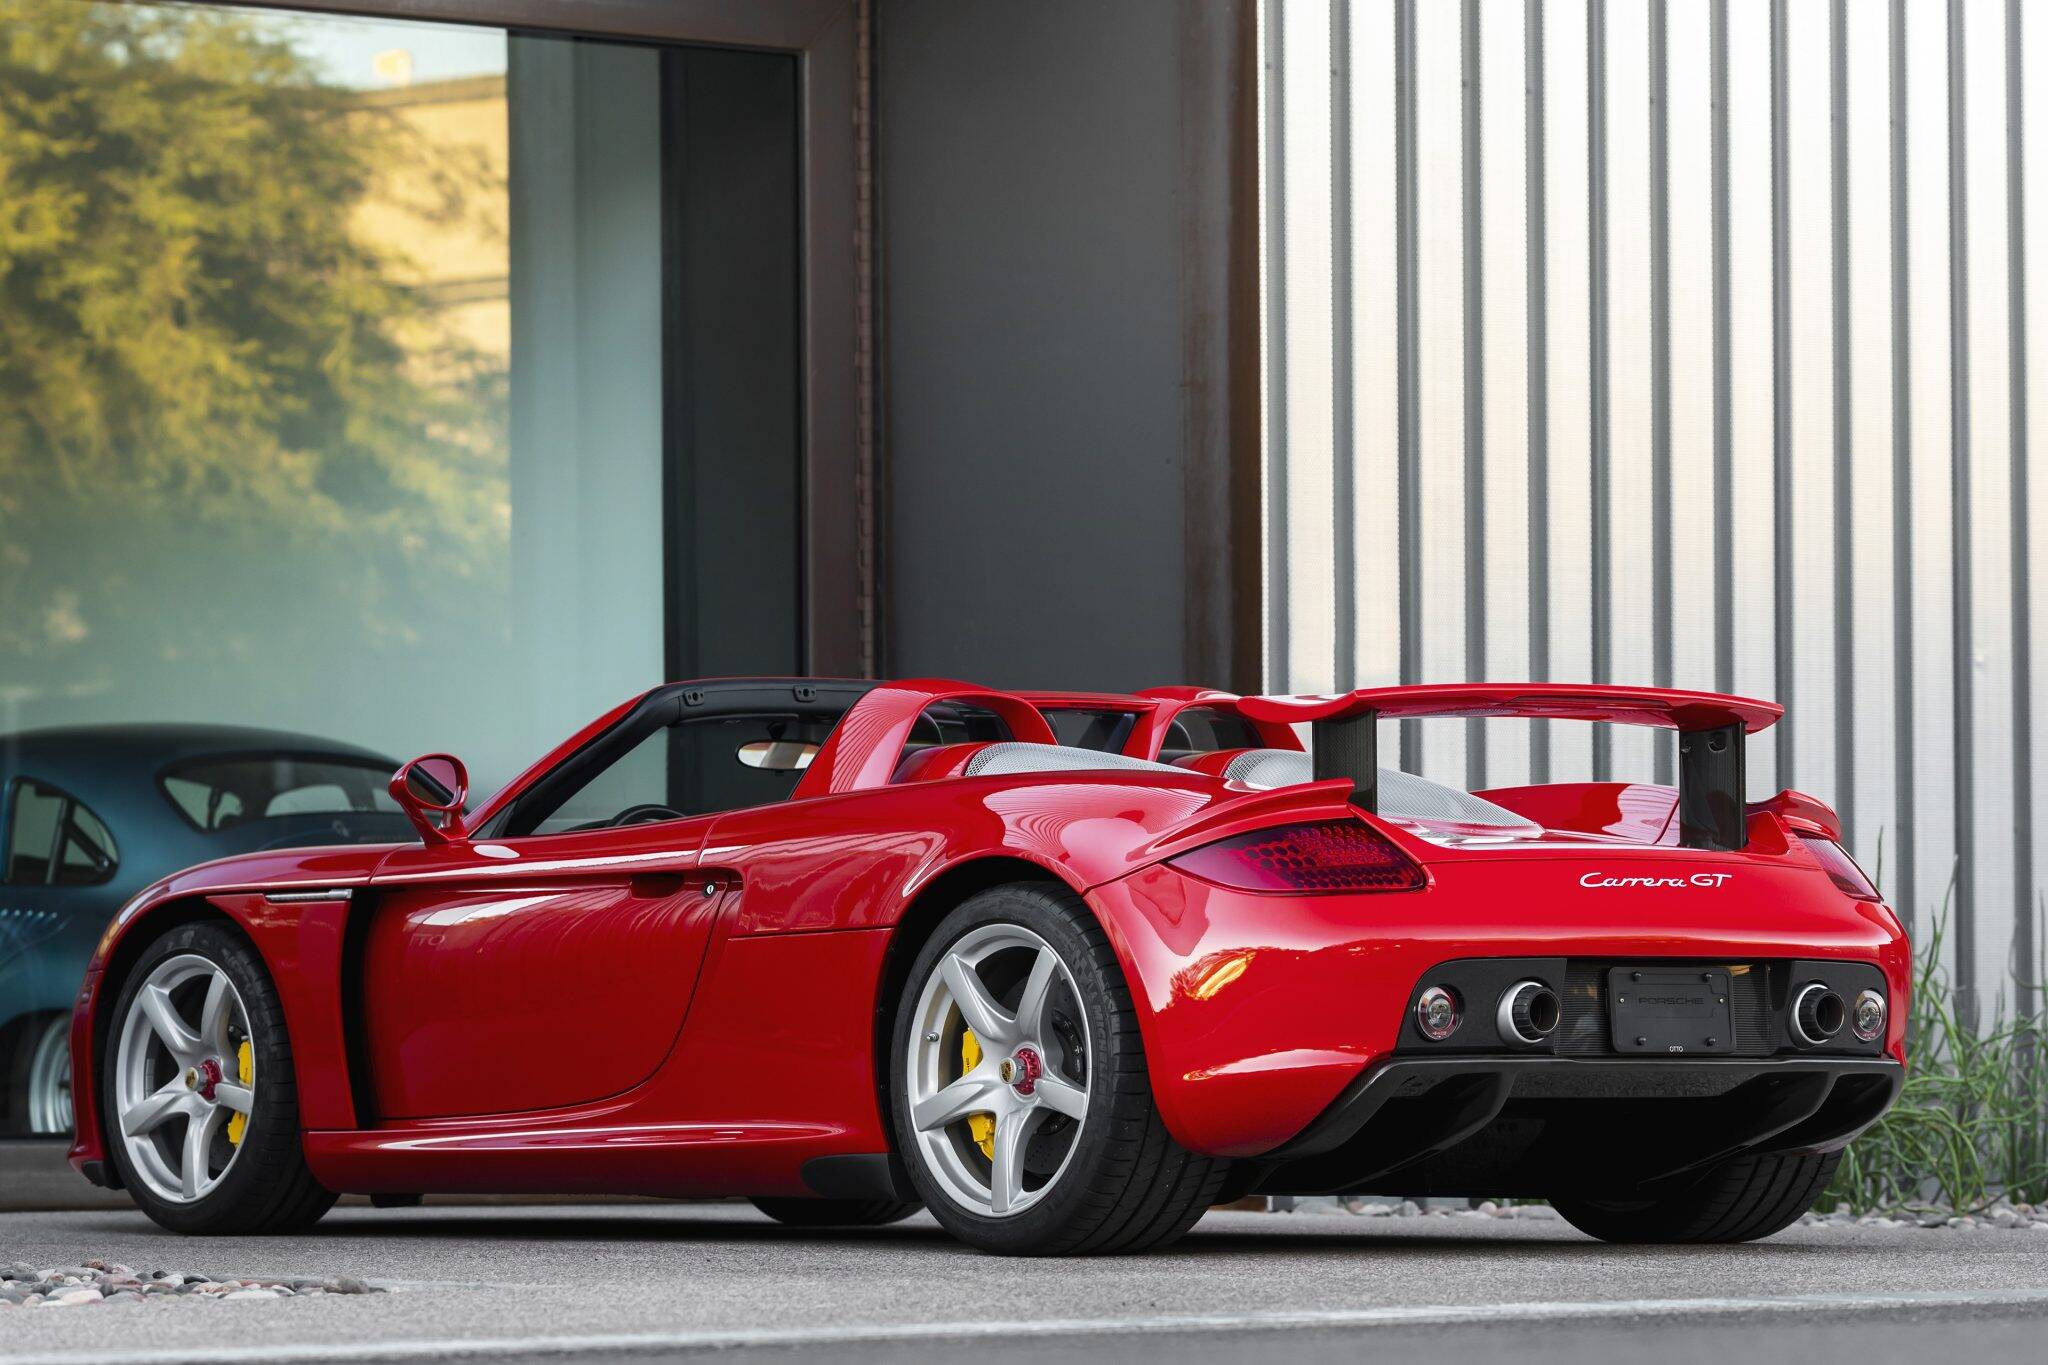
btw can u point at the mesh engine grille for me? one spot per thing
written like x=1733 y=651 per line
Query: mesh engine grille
x=1583 y=1032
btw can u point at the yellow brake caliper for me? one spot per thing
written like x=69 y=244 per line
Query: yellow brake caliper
x=245 y=1069
x=980 y=1127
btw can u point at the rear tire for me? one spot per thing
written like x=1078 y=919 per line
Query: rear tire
x=834 y=1213
x=1740 y=1200
x=1062 y=1066
x=246 y=1178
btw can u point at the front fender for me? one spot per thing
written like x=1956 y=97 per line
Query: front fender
x=300 y=944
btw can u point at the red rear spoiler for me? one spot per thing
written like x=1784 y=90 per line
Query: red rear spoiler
x=1668 y=707
x=1712 y=729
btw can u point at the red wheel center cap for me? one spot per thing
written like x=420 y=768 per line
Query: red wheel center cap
x=1024 y=1078
x=209 y=1077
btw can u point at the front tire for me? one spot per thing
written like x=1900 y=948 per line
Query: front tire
x=1020 y=1098
x=1739 y=1200
x=202 y=1113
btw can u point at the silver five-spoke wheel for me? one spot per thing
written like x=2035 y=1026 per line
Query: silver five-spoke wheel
x=184 y=1078
x=998 y=1069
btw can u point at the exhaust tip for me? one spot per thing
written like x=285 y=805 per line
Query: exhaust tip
x=1529 y=1013
x=1818 y=1014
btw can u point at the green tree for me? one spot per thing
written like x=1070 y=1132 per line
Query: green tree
x=201 y=365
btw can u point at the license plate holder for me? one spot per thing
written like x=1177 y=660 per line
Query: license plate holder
x=1671 y=1010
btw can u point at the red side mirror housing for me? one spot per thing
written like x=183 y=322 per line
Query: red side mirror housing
x=431 y=790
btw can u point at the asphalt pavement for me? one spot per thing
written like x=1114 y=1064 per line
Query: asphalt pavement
x=648 y=1281
x=35 y=1175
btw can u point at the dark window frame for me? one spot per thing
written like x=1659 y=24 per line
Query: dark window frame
x=823 y=35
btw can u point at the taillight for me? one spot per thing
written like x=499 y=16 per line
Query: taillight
x=1329 y=855
x=1840 y=867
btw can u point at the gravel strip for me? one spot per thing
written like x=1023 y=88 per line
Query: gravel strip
x=108 y=1282
x=2018 y=1217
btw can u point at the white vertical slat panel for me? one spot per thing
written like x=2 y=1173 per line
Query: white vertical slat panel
x=1990 y=493
x=1571 y=631
x=1305 y=100
x=1928 y=292
x=1440 y=359
x=1869 y=356
x=1504 y=245
x=2034 y=122
x=1809 y=263
x=1689 y=63
x=1631 y=516
x=1750 y=274
x=1375 y=372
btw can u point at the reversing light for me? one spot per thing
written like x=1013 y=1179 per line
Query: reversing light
x=1437 y=1013
x=1866 y=1019
x=1328 y=855
x=1841 y=868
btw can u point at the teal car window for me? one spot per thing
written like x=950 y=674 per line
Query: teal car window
x=53 y=838
x=218 y=793
x=88 y=855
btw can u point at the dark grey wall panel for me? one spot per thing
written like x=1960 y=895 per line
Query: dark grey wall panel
x=1049 y=293
x=733 y=342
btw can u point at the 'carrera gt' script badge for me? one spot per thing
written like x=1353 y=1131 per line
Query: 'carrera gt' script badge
x=1604 y=881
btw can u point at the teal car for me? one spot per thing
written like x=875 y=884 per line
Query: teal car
x=89 y=815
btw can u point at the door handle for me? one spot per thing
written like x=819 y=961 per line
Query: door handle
x=658 y=885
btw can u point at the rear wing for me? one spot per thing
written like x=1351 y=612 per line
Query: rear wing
x=1712 y=730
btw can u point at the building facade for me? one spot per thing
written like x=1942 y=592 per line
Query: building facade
x=436 y=374
x=374 y=369
x=1686 y=342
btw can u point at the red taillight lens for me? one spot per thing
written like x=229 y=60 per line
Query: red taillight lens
x=1840 y=867
x=1330 y=855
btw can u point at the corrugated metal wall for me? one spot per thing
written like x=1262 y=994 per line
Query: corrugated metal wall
x=1682 y=342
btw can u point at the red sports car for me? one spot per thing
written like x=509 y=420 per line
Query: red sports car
x=1064 y=969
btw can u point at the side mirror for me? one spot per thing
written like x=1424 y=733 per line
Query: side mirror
x=431 y=790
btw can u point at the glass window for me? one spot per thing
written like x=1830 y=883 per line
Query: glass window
x=32 y=827
x=957 y=723
x=53 y=838
x=336 y=391
x=692 y=768
x=1204 y=730
x=88 y=855
x=218 y=794
x=1088 y=728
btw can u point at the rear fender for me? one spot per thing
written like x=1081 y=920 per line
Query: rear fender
x=1237 y=815
x=1802 y=813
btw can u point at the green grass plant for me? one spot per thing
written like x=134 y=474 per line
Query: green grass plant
x=1971 y=1125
